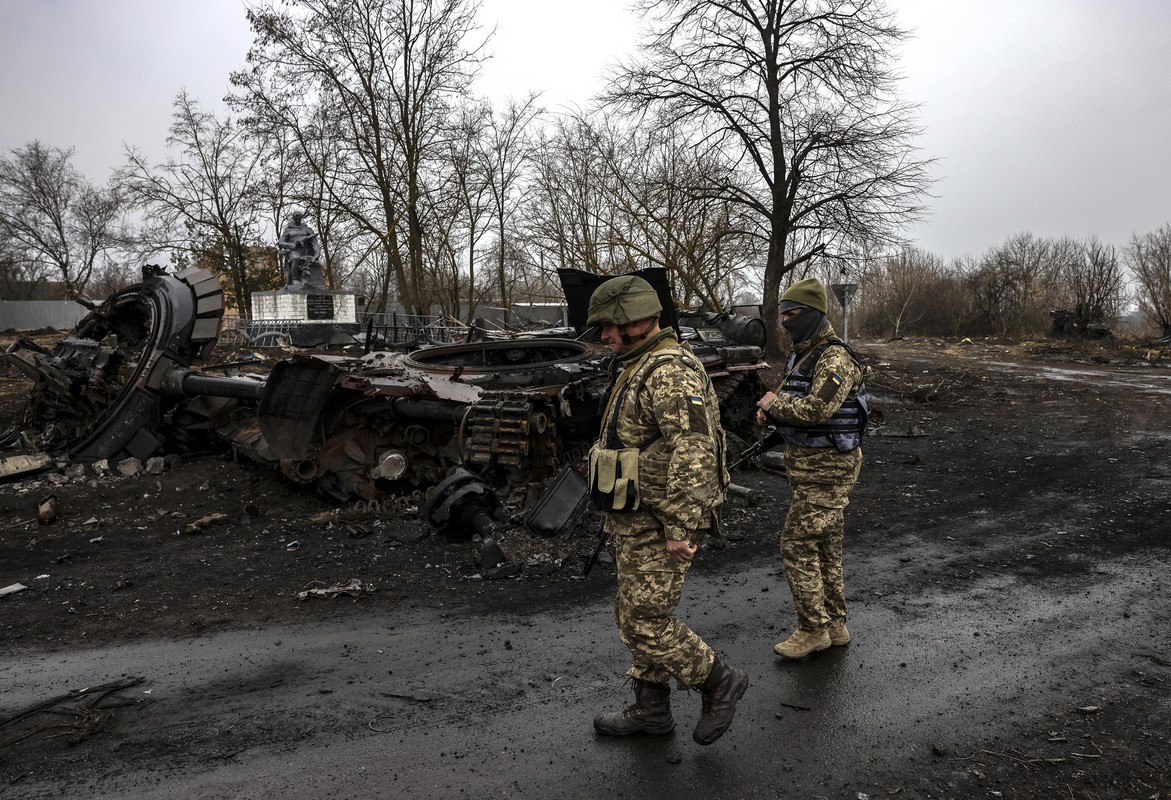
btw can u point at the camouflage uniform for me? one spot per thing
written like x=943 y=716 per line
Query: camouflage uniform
x=670 y=403
x=821 y=479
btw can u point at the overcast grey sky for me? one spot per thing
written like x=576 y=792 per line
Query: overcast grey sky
x=1047 y=116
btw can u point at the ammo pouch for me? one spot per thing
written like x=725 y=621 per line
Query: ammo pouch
x=613 y=479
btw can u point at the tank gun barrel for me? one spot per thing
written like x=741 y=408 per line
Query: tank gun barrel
x=187 y=383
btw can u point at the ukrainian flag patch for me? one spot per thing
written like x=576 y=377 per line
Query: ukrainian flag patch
x=829 y=389
x=696 y=414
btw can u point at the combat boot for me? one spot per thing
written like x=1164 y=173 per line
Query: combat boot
x=838 y=635
x=802 y=643
x=650 y=713
x=721 y=691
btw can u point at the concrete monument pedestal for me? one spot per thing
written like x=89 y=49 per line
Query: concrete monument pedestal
x=309 y=317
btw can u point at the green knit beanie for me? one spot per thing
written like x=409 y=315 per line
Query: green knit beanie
x=809 y=292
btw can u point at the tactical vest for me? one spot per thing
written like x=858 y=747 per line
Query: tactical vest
x=629 y=476
x=845 y=429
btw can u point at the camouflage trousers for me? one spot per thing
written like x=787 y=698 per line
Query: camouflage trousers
x=650 y=584
x=811 y=540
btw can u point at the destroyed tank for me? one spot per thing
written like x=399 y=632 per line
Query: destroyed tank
x=504 y=415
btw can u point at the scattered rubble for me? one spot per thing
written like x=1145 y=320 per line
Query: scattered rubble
x=22 y=465
x=352 y=588
x=205 y=522
x=48 y=509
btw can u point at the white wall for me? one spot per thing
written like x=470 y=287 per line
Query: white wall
x=31 y=315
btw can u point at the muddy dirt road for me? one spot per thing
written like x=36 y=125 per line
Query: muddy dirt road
x=1008 y=576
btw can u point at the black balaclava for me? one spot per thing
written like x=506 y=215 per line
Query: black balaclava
x=804 y=326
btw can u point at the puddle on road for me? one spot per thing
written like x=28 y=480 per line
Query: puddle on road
x=1150 y=381
x=1154 y=380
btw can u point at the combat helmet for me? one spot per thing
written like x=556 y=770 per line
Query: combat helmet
x=623 y=300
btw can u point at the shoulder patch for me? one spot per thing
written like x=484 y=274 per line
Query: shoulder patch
x=696 y=414
x=830 y=387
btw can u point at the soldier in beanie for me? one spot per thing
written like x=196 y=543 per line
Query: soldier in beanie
x=657 y=472
x=820 y=411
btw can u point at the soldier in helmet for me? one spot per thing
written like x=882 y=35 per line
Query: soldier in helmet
x=820 y=411
x=657 y=471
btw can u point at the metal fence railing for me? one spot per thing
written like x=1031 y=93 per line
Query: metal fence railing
x=397 y=331
x=389 y=331
x=257 y=333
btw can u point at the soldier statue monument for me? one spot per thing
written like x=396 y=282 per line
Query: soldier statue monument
x=301 y=251
x=303 y=312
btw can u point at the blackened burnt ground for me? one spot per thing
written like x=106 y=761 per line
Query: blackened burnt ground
x=1027 y=484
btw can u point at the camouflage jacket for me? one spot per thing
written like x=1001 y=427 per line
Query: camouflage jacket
x=670 y=411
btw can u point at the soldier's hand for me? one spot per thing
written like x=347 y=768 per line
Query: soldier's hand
x=680 y=550
x=762 y=418
x=764 y=402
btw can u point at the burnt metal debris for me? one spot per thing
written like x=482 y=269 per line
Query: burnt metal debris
x=484 y=426
x=104 y=389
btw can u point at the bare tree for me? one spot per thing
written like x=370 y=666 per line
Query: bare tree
x=798 y=98
x=1092 y=283
x=894 y=287
x=203 y=200
x=343 y=245
x=469 y=185
x=388 y=71
x=452 y=212
x=53 y=219
x=282 y=188
x=663 y=220
x=1149 y=258
x=1014 y=286
x=610 y=198
x=114 y=277
x=277 y=184
x=569 y=216
x=19 y=278
x=505 y=160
